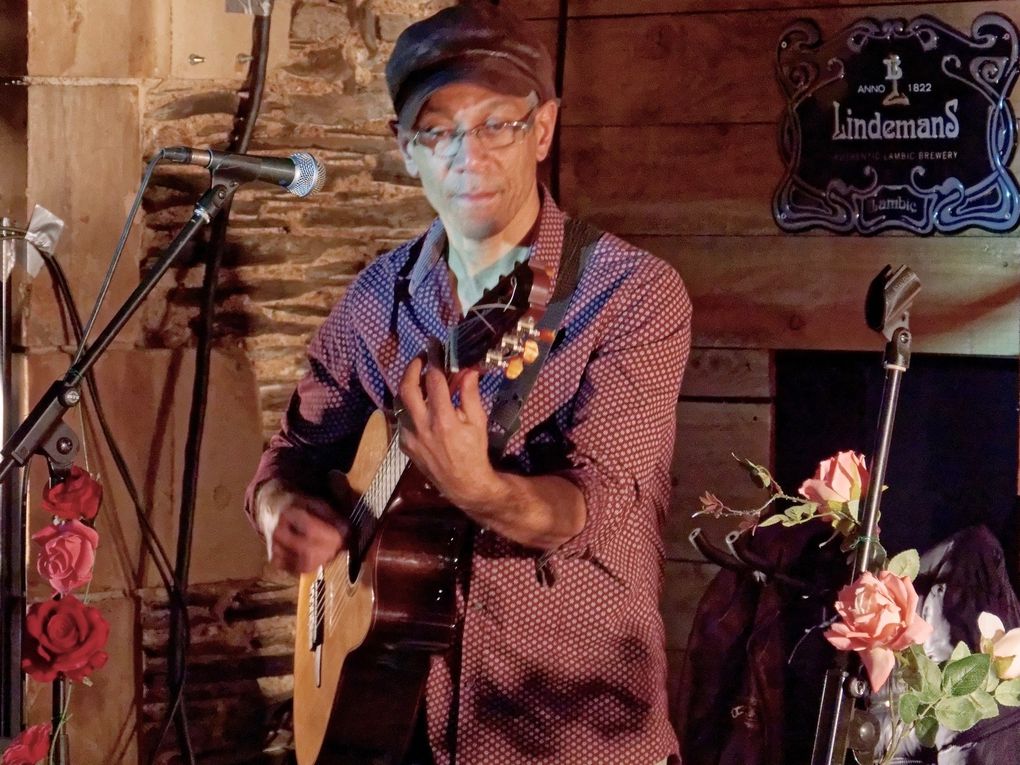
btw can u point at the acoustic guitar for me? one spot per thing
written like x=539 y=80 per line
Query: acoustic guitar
x=369 y=622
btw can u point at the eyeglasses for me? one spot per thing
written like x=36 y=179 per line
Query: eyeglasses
x=446 y=142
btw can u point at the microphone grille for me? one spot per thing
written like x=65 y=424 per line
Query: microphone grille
x=310 y=175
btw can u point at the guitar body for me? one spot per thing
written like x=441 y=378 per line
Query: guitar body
x=370 y=621
x=356 y=693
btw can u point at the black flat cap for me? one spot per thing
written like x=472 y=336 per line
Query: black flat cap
x=474 y=41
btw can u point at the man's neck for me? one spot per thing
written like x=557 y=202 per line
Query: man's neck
x=480 y=254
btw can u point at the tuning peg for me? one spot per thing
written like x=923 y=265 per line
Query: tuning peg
x=514 y=367
x=530 y=351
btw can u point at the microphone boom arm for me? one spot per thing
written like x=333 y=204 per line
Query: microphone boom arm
x=43 y=429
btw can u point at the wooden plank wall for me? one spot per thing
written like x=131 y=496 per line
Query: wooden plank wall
x=670 y=124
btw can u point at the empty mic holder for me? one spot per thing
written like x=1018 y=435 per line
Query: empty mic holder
x=843 y=723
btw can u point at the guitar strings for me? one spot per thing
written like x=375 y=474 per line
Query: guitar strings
x=370 y=506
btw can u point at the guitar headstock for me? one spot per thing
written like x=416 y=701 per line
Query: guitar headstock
x=500 y=330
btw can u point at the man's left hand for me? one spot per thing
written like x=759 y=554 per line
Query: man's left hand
x=447 y=442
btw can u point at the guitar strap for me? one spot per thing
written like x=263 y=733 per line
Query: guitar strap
x=579 y=240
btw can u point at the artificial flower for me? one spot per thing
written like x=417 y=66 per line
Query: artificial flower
x=879 y=616
x=841 y=479
x=63 y=636
x=68 y=554
x=1002 y=646
x=712 y=505
x=30 y=746
x=76 y=497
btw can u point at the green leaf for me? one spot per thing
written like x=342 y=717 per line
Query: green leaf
x=921 y=674
x=1008 y=693
x=907 y=563
x=761 y=477
x=926 y=729
x=991 y=679
x=772 y=520
x=909 y=704
x=800 y=513
x=956 y=713
x=985 y=704
x=966 y=675
x=961 y=651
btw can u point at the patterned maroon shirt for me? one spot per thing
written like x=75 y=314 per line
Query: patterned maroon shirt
x=572 y=671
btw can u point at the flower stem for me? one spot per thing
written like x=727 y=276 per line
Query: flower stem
x=60 y=726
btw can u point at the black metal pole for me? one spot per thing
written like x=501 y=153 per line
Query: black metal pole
x=887 y=310
x=12 y=533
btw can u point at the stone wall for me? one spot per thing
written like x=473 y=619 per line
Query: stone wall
x=289 y=259
x=109 y=82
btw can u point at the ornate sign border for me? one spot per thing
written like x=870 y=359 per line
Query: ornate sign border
x=804 y=65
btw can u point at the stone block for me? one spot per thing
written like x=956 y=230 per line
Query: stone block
x=207 y=42
x=98 y=38
x=146 y=395
x=84 y=164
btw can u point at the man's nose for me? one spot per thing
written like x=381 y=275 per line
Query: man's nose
x=469 y=149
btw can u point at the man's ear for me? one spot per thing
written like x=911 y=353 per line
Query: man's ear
x=545 y=126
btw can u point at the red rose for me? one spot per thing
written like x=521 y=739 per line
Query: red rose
x=67 y=555
x=30 y=746
x=77 y=497
x=63 y=636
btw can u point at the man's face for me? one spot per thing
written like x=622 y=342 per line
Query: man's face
x=479 y=192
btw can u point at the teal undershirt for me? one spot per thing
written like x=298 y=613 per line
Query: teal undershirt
x=471 y=287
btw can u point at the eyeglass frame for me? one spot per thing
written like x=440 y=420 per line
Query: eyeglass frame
x=520 y=128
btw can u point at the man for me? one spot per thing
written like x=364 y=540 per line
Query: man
x=562 y=655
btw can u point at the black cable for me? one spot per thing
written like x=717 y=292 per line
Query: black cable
x=212 y=255
x=149 y=536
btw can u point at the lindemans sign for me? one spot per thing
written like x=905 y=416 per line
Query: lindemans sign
x=898 y=125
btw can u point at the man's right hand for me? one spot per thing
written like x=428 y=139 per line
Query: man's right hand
x=301 y=532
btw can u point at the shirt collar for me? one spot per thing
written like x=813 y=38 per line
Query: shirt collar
x=545 y=251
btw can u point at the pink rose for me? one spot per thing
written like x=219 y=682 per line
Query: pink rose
x=30 y=746
x=67 y=555
x=841 y=479
x=1002 y=646
x=879 y=616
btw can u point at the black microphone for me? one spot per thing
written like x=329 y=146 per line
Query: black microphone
x=300 y=173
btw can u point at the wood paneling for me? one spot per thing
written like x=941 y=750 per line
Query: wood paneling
x=582 y=8
x=707 y=433
x=789 y=292
x=715 y=179
x=682 y=179
x=702 y=67
x=733 y=374
x=680 y=595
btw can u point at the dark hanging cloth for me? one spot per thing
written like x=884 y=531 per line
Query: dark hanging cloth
x=752 y=677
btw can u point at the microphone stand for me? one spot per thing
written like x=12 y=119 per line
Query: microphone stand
x=842 y=722
x=43 y=430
